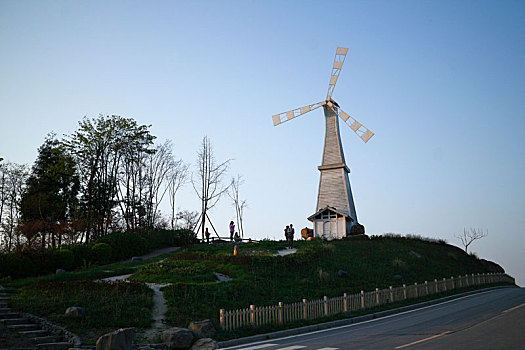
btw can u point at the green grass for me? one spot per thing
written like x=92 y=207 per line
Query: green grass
x=259 y=278
x=108 y=306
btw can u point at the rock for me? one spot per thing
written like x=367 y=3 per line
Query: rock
x=75 y=311
x=306 y=280
x=357 y=229
x=136 y=258
x=205 y=344
x=202 y=329
x=177 y=338
x=60 y=271
x=121 y=339
x=398 y=277
x=415 y=254
x=342 y=273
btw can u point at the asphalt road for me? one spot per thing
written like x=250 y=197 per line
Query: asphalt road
x=489 y=320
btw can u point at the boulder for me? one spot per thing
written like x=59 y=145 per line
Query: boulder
x=202 y=329
x=306 y=280
x=75 y=311
x=205 y=344
x=60 y=271
x=177 y=338
x=398 y=277
x=121 y=339
x=342 y=273
x=357 y=229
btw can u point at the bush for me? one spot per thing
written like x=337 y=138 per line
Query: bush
x=169 y=238
x=81 y=253
x=124 y=245
x=101 y=253
x=64 y=259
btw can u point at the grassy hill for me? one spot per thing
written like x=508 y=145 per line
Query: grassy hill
x=258 y=277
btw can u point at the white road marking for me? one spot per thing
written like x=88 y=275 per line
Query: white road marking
x=422 y=340
x=513 y=308
x=293 y=347
x=258 y=347
x=328 y=349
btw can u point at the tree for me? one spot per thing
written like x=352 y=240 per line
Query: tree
x=186 y=219
x=12 y=180
x=50 y=195
x=239 y=204
x=100 y=147
x=470 y=236
x=176 y=179
x=208 y=183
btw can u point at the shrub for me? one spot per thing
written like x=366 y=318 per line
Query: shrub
x=124 y=245
x=64 y=259
x=101 y=253
x=81 y=253
x=357 y=229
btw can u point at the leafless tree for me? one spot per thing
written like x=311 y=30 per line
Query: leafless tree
x=176 y=179
x=207 y=183
x=470 y=236
x=239 y=204
x=186 y=219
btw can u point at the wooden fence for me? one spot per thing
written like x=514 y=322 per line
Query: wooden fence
x=312 y=309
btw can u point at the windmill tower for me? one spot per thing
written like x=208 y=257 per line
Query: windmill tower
x=335 y=212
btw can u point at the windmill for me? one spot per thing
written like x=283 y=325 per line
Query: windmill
x=335 y=212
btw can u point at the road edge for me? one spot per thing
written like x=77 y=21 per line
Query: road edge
x=347 y=321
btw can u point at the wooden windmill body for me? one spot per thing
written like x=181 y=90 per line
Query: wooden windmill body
x=335 y=211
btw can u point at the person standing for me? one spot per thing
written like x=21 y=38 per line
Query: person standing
x=207 y=234
x=232 y=230
x=291 y=232
x=286 y=232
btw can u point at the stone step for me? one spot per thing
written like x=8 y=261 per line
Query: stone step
x=34 y=333
x=54 y=346
x=4 y=295
x=48 y=339
x=24 y=327
x=19 y=320
x=4 y=310
x=9 y=315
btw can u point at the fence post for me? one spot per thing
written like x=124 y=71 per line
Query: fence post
x=377 y=296
x=221 y=318
x=362 y=299
x=415 y=287
x=391 y=295
x=479 y=280
x=325 y=302
x=453 y=284
x=305 y=311
x=280 y=312
x=444 y=284
x=436 y=285
x=405 y=291
x=426 y=288
x=252 y=315
x=345 y=303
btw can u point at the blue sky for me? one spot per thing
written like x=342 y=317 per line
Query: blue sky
x=441 y=83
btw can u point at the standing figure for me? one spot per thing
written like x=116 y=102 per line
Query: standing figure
x=232 y=230
x=207 y=234
x=286 y=232
x=291 y=232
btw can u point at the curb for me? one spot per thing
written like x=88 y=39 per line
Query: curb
x=347 y=321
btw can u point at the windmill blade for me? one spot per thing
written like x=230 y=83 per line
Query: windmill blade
x=358 y=128
x=294 y=113
x=339 y=59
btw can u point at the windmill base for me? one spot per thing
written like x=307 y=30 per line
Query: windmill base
x=330 y=223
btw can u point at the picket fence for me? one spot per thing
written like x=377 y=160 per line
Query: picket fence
x=312 y=309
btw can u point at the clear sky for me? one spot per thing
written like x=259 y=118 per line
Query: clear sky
x=441 y=83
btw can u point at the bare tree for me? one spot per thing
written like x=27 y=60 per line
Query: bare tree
x=12 y=187
x=176 y=179
x=239 y=204
x=187 y=219
x=470 y=236
x=208 y=183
